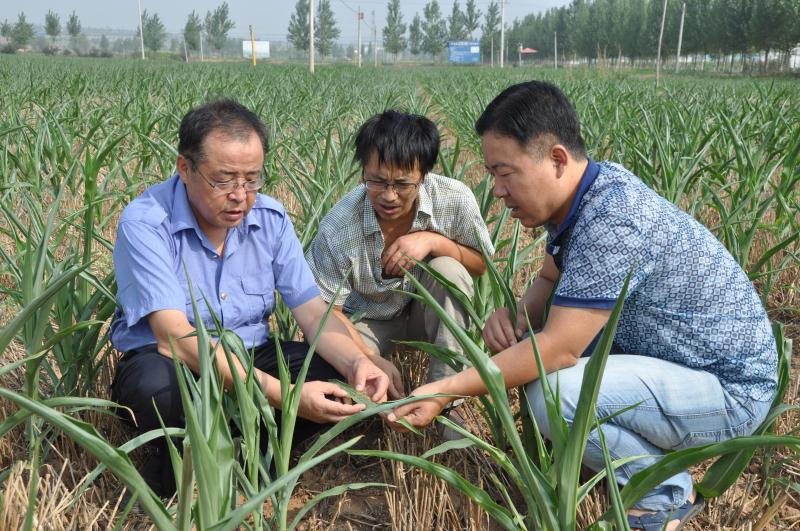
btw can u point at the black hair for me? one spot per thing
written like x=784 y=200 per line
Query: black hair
x=533 y=111
x=405 y=141
x=224 y=116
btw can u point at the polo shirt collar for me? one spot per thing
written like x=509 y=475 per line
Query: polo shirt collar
x=424 y=208
x=589 y=175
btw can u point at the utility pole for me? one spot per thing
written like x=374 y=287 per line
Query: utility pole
x=492 y=49
x=660 y=37
x=202 y=57
x=253 y=46
x=502 y=32
x=360 y=18
x=680 y=41
x=555 y=50
x=519 y=55
x=185 y=51
x=141 y=28
x=374 y=40
x=311 y=36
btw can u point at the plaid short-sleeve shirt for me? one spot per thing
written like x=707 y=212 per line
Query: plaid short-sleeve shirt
x=350 y=239
x=688 y=302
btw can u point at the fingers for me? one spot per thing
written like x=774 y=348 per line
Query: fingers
x=401 y=411
x=499 y=333
x=396 y=389
x=396 y=262
x=418 y=414
x=317 y=406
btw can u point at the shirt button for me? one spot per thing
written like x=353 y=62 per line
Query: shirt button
x=223 y=296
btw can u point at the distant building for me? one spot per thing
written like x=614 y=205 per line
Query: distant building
x=262 y=49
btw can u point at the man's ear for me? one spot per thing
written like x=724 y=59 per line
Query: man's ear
x=560 y=157
x=183 y=165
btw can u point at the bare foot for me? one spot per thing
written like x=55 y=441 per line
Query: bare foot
x=672 y=525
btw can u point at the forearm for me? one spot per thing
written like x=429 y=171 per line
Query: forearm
x=355 y=335
x=535 y=301
x=336 y=344
x=471 y=259
x=186 y=348
x=516 y=363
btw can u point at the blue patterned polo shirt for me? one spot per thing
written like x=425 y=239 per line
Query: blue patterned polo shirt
x=688 y=302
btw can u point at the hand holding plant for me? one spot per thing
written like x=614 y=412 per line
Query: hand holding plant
x=324 y=402
x=367 y=378
x=406 y=250
x=500 y=332
x=396 y=389
x=422 y=412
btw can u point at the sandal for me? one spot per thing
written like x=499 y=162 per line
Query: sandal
x=658 y=520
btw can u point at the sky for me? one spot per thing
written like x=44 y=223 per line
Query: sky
x=269 y=18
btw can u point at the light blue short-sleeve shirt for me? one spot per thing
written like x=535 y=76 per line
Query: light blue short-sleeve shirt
x=158 y=234
x=688 y=302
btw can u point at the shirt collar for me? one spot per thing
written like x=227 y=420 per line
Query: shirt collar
x=589 y=175
x=424 y=208
x=182 y=217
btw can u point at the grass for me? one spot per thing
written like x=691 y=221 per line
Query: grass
x=82 y=138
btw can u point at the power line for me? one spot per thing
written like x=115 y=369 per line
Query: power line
x=345 y=4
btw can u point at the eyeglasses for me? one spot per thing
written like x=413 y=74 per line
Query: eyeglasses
x=230 y=186
x=382 y=186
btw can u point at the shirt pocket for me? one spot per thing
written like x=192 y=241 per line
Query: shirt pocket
x=202 y=308
x=259 y=297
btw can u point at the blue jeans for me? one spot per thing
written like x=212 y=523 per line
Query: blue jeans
x=680 y=408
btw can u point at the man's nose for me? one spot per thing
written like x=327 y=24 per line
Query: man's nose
x=498 y=191
x=238 y=193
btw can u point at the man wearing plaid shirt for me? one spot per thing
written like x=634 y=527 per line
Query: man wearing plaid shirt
x=400 y=213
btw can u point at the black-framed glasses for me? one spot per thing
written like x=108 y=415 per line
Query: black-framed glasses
x=230 y=186
x=403 y=188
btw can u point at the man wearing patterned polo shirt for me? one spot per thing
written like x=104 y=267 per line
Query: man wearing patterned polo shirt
x=400 y=213
x=693 y=355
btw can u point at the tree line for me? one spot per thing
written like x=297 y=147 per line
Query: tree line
x=213 y=29
x=627 y=30
x=586 y=30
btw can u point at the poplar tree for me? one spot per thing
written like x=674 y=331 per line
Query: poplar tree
x=217 y=25
x=415 y=35
x=434 y=29
x=394 y=31
x=325 y=30
x=298 y=26
x=52 y=25
x=472 y=18
x=456 y=24
x=192 y=30
x=22 y=32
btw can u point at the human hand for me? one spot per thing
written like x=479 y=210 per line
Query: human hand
x=367 y=378
x=396 y=389
x=422 y=412
x=324 y=402
x=399 y=257
x=500 y=333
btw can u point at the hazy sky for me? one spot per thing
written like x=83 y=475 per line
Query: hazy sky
x=269 y=18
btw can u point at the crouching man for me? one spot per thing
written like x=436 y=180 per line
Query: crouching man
x=401 y=212
x=694 y=355
x=238 y=247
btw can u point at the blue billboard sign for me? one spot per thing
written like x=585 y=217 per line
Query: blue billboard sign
x=464 y=52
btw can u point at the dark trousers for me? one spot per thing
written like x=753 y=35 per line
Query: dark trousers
x=146 y=380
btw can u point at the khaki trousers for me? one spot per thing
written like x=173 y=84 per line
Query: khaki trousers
x=418 y=322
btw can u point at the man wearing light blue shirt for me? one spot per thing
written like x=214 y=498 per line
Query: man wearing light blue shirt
x=208 y=226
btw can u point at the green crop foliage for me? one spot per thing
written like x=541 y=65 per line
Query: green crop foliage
x=82 y=138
